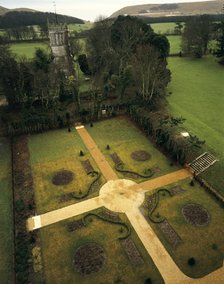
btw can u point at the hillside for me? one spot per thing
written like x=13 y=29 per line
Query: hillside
x=174 y=10
x=4 y=10
x=10 y=18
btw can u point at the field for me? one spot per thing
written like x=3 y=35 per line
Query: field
x=175 y=44
x=6 y=220
x=163 y=28
x=124 y=138
x=59 y=247
x=27 y=49
x=204 y=243
x=80 y=27
x=50 y=153
x=197 y=94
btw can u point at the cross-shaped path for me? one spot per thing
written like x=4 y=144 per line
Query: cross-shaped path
x=126 y=196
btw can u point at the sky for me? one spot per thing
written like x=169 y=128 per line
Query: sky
x=83 y=9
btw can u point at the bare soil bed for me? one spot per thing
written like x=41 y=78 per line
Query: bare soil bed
x=63 y=177
x=89 y=258
x=195 y=214
x=140 y=156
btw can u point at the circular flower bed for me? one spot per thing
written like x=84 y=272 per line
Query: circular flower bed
x=89 y=258
x=63 y=177
x=195 y=214
x=140 y=156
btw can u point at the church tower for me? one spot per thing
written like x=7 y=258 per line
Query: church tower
x=58 y=34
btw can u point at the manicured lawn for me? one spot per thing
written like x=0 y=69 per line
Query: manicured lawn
x=175 y=44
x=6 y=220
x=27 y=49
x=59 y=247
x=124 y=138
x=163 y=28
x=197 y=94
x=54 y=151
x=204 y=243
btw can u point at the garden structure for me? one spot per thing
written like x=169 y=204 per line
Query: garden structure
x=126 y=196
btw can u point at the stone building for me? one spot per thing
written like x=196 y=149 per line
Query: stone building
x=58 y=34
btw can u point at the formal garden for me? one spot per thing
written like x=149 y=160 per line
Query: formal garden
x=63 y=170
x=189 y=223
x=97 y=247
x=128 y=150
x=136 y=114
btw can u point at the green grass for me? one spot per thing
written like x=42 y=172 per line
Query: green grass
x=196 y=242
x=175 y=44
x=124 y=138
x=51 y=152
x=2 y=32
x=6 y=220
x=80 y=27
x=27 y=49
x=59 y=246
x=163 y=28
x=197 y=94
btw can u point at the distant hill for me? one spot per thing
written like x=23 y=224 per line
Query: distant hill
x=10 y=18
x=4 y=10
x=172 y=10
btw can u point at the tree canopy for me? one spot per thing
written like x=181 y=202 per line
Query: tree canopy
x=115 y=57
x=196 y=35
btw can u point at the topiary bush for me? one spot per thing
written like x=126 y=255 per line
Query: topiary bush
x=191 y=261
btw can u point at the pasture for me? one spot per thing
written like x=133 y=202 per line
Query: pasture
x=80 y=27
x=6 y=213
x=163 y=28
x=27 y=49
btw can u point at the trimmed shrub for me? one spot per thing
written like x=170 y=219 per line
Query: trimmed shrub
x=191 y=261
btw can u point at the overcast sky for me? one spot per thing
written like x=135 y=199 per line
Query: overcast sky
x=84 y=9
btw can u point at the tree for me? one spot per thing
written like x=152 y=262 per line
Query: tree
x=41 y=60
x=83 y=63
x=161 y=43
x=101 y=56
x=116 y=61
x=127 y=32
x=219 y=37
x=178 y=28
x=150 y=74
x=43 y=31
x=196 y=36
x=9 y=79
